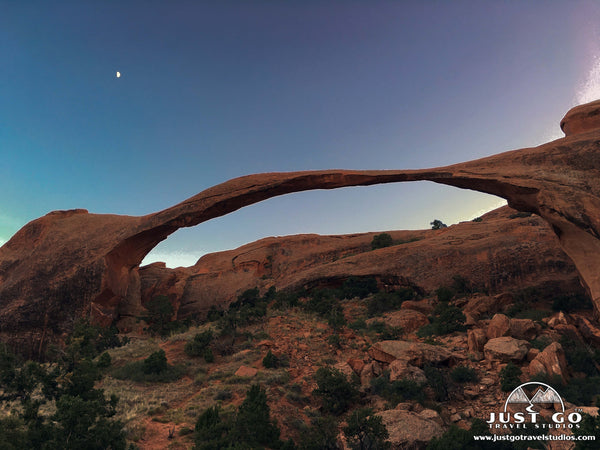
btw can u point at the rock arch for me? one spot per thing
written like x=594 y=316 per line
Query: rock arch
x=70 y=262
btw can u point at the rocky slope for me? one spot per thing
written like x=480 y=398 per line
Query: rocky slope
x=502 y=252
x=71 y=263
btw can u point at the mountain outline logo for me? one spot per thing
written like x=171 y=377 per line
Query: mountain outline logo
x=544 y=394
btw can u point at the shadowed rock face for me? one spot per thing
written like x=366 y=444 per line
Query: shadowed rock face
x=70 y=262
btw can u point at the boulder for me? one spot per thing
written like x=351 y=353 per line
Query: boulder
x=425 y=306
x=588 y=330
x=414 y=353
x=409 y=319
x=476 y=339
x=523 y=329
x=245 y=371
x=551 y=361
x=498 y=326
x=400 y=370
x=356 y=364
x=410 y=430
x=506 y=348
x=480 y=305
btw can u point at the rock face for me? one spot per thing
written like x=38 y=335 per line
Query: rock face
x=506 y=349
x=71 y=263
x=414 y=353
x=408 y=429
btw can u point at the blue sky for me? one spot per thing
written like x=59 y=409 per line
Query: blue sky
x=214 y=90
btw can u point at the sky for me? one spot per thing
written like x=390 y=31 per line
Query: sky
x=214 y=90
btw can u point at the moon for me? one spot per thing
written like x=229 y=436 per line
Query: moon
x=118 y=74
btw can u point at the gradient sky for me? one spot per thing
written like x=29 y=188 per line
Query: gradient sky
x=214 y=90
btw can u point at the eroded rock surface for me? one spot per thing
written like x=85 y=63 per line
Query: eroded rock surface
x=71 y=263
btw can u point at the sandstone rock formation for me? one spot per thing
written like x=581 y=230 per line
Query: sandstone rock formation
x=409 y=429
x=506 y=349
x=70 y=263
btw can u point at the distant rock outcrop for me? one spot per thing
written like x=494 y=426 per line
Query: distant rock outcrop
x=70 y=263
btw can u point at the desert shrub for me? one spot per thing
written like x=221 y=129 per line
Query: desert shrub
x=199 y=346
x=270 y=361
x=152 y=369
x=541 y=342
x=444 y=294
x=382 y=302
x=477 y=219
x=155 y=363
x=461 y=286
x=359 y=287
x=571 y=302
x=509 y=377
x=212 y=430
x=446 y=319
x=358 y=324
x=284 y=300
x=334 y=389
x=214 y=314
x=321 y=435
x=381 y=241
x=436 y=379
x=456 y=438
x=104 y=360
x=253 y=423
x=326 y=304
x=589 y=426
x=82 y=414
x=159 y=315
x=88 y=341
x=397 y=391
x=384 y=331
x=225 y=394
x=335 y=340
x=582 y=391
x=580 y=357
x=437 y=225
x=365 y=430
x=463 y=374
x=250 y=427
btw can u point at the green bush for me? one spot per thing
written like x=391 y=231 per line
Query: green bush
x=334 y=389
x=447 y=319
x=383 y=302
x=250 y=427
x=104 y=360
x=159 y=316
x=456 y=438
x=199 y=346
x=436 y=379
x=359 y=287
x=358 y=324
x=270 y=361
x=397 y=391
x=437 y=225
x=365 y=430
x=155 y=363
x=321 y=435
x=152 y=369
x=463 y=374
x=509 y=377
x=381 y=241
x=444 y=294
x=82 y=414
x=589 y=426
x=571 y=302
x=580 y=357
